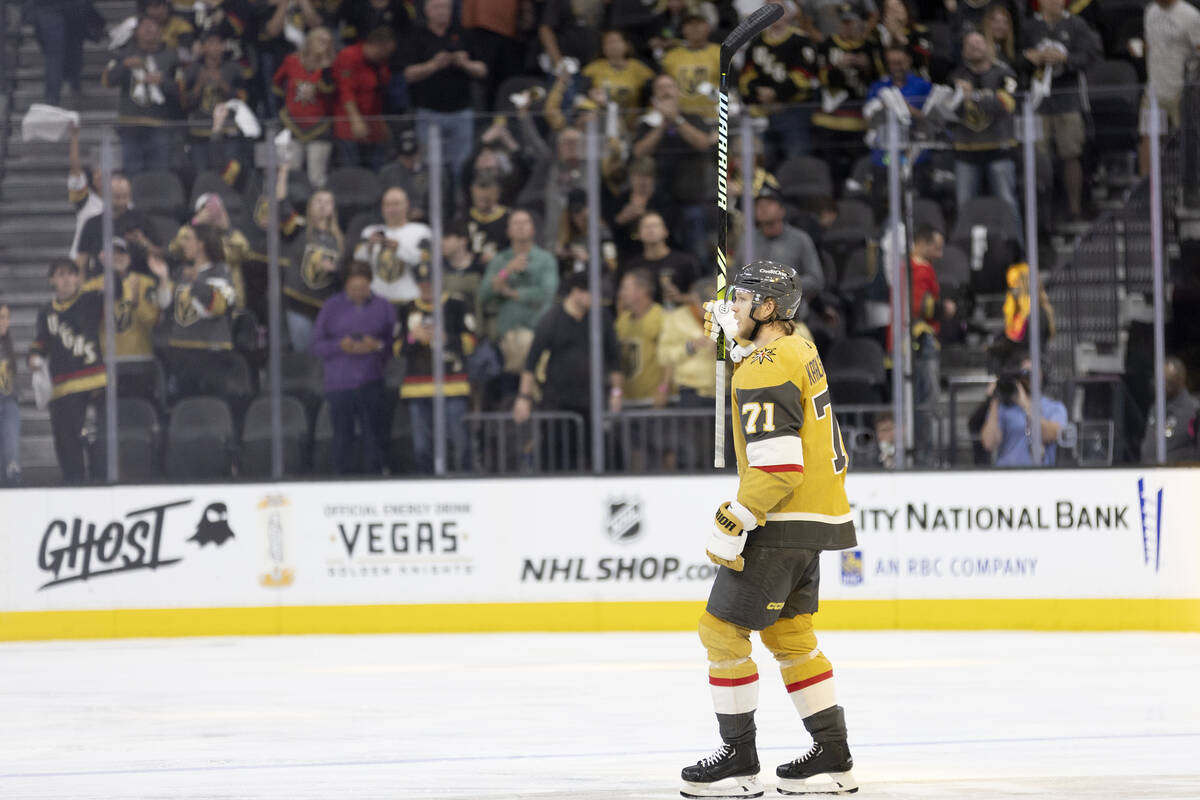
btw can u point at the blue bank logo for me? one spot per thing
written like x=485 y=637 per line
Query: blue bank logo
x=852 y=567
x=1150 y=506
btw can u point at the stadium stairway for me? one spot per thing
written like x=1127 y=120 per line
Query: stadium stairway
x=36 y=221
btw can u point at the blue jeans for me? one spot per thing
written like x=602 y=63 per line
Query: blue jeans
x=10 y=440
x=144 y=147
x=60 y=36
x=788 y=134
x=299 y=330
x=693 y=230
x=457 y=130
x=364 y=405
x=352 y=153
x=1002 y=181
x=420 y=415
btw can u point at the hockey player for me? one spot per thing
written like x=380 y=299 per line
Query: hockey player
x=791 y=504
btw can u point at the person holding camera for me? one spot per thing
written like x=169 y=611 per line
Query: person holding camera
x=1007 y=428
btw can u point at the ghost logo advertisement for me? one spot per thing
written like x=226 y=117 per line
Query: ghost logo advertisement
x=79 y=549
x=213 y=526
x=624 y=522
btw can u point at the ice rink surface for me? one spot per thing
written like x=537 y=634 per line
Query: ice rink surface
x=586 y=716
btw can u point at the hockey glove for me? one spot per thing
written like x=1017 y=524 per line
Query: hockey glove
x=728 y=535
x=718 y=319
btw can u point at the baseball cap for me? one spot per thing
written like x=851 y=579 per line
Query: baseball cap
x=849 y=11
x=205 y=199
x=770 y=192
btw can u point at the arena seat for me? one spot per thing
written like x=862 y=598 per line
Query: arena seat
x=201 y=439
x=805 y=180
x=255 y=456
x=161 y=191
x=356 y=189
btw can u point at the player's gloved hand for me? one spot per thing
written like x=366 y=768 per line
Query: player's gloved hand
x=728 y=535
x=718 y=319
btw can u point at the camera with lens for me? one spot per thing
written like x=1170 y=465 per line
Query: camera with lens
x=1006 y=388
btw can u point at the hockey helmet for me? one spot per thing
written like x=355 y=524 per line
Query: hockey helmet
x=769 y=279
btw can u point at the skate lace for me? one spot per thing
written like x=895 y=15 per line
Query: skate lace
x=812 y=753
x=721 y=752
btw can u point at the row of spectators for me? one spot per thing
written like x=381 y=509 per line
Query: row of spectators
x=196 y=287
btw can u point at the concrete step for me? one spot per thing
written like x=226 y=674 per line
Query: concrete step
x=25 y=287
x=94 y=97
x=34 y=73
x=57 y=210
x=35 y=187
x=15 y=252
x=27 y=299
x=38 y=462
x=44 y=233
x=89 y=138
x=39 y=164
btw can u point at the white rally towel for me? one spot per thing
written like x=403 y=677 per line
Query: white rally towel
x=42 y=386
x=48 y=123
x=244 y=118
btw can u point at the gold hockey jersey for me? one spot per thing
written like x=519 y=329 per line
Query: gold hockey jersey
x=790 y=455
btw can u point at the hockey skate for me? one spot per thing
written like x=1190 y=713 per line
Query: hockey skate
x=824 y=769
x=732 y=771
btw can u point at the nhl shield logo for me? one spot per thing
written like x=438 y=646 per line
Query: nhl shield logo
x=624 y=523
x=852 y=567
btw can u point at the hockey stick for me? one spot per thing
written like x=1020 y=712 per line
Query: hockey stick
x=750 y=27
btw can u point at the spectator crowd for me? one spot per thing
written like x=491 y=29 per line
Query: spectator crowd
x=356 y=90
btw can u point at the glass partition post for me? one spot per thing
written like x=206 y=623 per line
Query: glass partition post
x=749 y=168
x=898 y=279
x=594 y=264
x=439 y=312
x=1156 y=257
x=274 y=304
x=1035 y=305
x=110 y=328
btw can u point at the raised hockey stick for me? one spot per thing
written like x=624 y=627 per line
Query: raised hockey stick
x=750 y=27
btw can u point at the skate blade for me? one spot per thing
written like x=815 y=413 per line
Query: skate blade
x=827 y=783
x=747 y=786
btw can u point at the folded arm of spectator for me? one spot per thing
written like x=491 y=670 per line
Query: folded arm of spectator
x=535 y=146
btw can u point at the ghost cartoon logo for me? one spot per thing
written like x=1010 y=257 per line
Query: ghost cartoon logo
x=213 y=526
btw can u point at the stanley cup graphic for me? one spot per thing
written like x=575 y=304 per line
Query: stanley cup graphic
x=273 y=516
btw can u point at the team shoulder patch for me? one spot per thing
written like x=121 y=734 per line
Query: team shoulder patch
x=766 y=354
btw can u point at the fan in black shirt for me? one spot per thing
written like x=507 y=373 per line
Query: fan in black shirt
x=658 y=258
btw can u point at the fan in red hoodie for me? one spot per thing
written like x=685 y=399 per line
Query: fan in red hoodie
x=362 y=77
x=928 y=308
